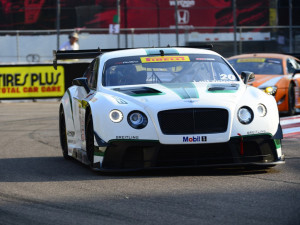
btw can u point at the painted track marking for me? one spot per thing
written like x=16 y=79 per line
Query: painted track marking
x=291 y=127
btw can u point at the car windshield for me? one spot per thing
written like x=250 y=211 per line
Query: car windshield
x=258 y=65
x=166 y=69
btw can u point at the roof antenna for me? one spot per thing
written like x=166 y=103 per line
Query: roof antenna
x=162 y=53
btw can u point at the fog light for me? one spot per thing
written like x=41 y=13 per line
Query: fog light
x=116 y=116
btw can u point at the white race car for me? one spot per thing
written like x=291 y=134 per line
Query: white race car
x=166 y=107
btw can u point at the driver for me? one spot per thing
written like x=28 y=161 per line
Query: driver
x=126 y=74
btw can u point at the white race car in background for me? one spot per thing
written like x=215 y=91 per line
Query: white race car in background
x=166 y=107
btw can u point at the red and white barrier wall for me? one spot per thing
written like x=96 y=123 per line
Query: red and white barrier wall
x=291 y=126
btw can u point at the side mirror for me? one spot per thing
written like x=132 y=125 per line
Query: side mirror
x=295 y=72
x=247 y=76
x=82 y=82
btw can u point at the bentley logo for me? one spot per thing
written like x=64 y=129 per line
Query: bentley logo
x=191 y=100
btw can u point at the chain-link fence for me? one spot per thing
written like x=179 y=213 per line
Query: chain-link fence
x=37 y=46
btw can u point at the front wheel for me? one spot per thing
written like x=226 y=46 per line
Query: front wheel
x=89 y=135
x=291 y=100
x=63 y=134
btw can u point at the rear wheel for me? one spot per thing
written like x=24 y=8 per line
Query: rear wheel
x=89 y=135
x=63 y=134
x=291 y=100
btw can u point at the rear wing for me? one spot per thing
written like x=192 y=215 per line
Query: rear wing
x=80 y=54
x=93 y=53
x=74 y=54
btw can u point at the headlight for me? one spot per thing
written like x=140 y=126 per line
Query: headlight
x=116 y=116
x=262 y=110
x=245 y=115
x=137 y=119
x=270 y=90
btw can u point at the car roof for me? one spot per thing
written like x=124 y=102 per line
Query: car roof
x=265 y=55
x=145 y=52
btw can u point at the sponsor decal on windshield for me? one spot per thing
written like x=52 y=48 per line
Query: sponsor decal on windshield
x=205 y=59
x=165 y=59
x=251 y=60
x=273 y=61
x=126 y=62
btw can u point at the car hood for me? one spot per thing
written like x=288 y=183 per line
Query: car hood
x=263 y=81
x=181 y=95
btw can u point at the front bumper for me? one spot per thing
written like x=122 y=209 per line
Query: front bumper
x=135 y=155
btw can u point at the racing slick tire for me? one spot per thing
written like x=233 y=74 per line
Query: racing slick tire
x=291 y=100
x=63 y=133
x=89 y=135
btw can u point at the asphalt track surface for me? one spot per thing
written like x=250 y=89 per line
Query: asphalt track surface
x=38 y=186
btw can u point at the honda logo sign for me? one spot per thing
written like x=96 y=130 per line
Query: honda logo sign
x=183 y=16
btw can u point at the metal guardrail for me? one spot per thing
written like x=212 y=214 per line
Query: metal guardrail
x=37 y=45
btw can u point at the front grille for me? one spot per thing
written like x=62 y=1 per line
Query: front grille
x=193 y=121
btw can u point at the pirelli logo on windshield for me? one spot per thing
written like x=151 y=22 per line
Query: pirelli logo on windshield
x=164 y=59
x=31 y=81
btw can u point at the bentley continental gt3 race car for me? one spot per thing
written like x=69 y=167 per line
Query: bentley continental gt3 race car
x=166 y=107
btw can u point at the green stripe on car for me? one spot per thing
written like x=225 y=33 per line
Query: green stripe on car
x=183 y=90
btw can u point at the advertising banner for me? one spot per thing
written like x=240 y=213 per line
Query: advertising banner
x=31 y=82
x=40 y=14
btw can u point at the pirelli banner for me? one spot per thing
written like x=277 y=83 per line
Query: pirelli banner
x=37 y=81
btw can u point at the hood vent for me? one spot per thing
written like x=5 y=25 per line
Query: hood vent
x=222 y=87
x=138 y=91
